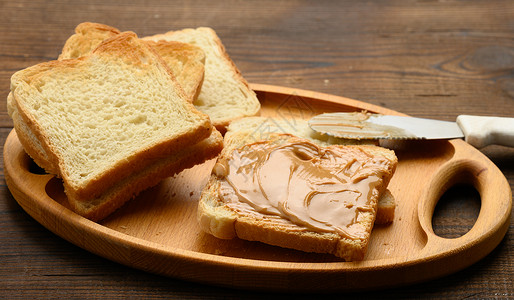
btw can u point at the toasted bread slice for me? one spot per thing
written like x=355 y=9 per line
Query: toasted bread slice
x=363 y=170
x=129 y=187
x=30 y=142
x=385 y=209
x=225 y=95
x=86 y=38
x=104 y=116
x=254 y=129
x=260 y=128
x=186 y=61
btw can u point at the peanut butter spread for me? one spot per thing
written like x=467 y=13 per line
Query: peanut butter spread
x=318 y=189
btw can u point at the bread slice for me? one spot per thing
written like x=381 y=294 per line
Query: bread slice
x=385 y=209
x=129 y=187
x=27 y=138
x=225 y=95
x=186 y=61
x=260 y=128
x=226 y=220
x=254 y=129
x=87 y=37
x=102 y=117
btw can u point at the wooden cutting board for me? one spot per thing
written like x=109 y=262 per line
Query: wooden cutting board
x=157 y=232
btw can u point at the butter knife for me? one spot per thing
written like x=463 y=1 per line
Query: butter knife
x=479 y=131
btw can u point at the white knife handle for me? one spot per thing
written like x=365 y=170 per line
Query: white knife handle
x=482 y=131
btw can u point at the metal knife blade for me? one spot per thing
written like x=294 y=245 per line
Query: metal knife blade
x=359 y=125
x=478 y=131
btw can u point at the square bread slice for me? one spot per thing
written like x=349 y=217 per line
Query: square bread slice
x=234 y=207
x=225 y=95
x=186 y=61
x=104 y=116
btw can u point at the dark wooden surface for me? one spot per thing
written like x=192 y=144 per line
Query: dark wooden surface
x=427 y=58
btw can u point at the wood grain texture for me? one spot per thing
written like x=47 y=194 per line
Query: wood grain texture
x=425 y=58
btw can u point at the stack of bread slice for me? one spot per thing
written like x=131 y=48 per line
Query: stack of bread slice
x=226 y=213
x=111 y=122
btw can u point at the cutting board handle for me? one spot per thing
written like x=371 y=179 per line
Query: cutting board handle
x=493 y=220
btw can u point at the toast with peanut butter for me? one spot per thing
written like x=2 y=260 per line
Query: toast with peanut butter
x=290 y=192
x=252 y=129
x=110 y=124
x=186 y=61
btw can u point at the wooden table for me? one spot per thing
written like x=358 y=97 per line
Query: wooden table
x=426 y=58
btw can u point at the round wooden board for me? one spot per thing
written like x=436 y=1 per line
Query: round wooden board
x=158 y=232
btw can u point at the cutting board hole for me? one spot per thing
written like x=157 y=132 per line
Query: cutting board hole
x=456 y=211
x=55 y=190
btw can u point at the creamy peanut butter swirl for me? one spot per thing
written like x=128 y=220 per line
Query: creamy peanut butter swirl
x=321 y=189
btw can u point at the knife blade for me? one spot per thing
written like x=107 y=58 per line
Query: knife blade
x=479 y=131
